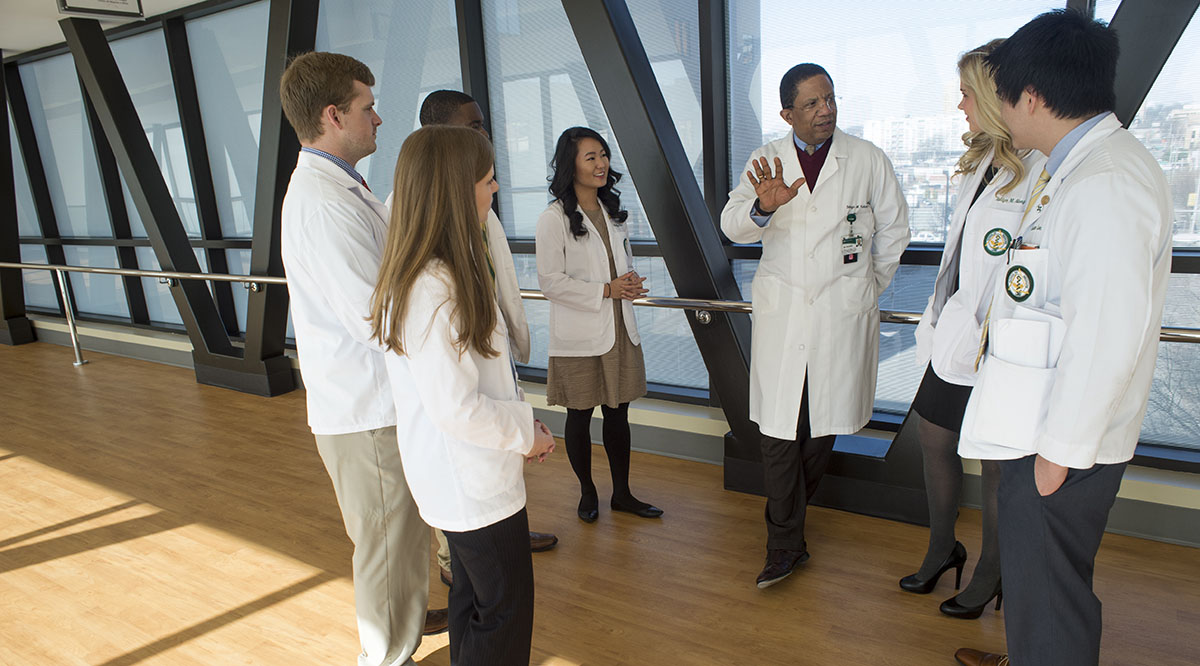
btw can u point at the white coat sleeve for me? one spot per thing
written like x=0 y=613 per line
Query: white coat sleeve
x=511 y=305
x=560 y=288
x=450 y=391
x=891 y=222
x=343 y=255
x=735 y=218
x=1108 y=305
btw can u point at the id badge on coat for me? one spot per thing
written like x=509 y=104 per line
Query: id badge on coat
x=851 y=247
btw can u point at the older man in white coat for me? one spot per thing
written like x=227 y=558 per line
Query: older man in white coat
x=333 y=230
x=831 y=240
x=1072 y=335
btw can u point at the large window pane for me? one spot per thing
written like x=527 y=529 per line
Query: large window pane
x=540 y=86
x=1174 y=400
x=27 y=224
x=409 y=58
x=910 y=113
x=159 y=303
x=95 y=293
x=239 y=264
x=142 y=60
x=1168 y=123
x=229 y=51
x=668 y=347
x=65 y=142
x=39 y=285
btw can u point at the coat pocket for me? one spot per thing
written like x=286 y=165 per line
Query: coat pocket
x=1008 y=405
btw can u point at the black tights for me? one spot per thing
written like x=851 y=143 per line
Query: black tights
x=578 y=438
x=943 y=485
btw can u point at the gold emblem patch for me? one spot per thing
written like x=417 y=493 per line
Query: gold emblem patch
x=1018 y=283
x=997 y=241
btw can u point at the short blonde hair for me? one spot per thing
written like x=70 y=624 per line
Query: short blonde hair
x=315 y=80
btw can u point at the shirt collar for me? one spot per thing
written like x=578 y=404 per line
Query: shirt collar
x=1065 y=144
x=343 y=164
x=804 y=146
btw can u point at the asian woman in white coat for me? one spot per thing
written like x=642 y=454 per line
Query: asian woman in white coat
x=585 y=268
x=994 y=184
x=468 y=432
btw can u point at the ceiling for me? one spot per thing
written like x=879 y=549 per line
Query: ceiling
x=32 y=24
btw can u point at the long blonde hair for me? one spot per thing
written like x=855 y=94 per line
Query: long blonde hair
x=977 y=79
x=434 y=217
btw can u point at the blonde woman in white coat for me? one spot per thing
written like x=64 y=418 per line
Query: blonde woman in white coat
x=585 y=268
x=994 y=183
x=468 y=432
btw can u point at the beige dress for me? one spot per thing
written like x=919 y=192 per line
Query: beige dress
x=616 y=376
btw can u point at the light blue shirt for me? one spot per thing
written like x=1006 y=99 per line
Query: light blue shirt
x=762 y=220
x=345 y=166
x=1065 y=144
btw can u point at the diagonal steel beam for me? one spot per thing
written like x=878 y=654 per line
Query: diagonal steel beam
x=15 y=328
x=1149 y=31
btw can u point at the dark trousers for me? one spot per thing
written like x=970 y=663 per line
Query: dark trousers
x=491 y=601
x=792 y=468
x=1047 y=554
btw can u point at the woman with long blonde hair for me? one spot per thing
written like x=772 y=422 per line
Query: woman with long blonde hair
x=994 y=183
x=463 y=429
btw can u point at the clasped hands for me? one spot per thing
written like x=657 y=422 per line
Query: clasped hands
x=770 y=189
x=628 y=287
x=543 y=443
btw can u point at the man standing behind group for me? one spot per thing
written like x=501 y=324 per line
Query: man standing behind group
x=451 y=107
x=1087 y=276
x=832 y=234
x=333 y=231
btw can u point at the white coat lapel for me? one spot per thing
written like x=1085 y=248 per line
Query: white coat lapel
x=833 y=161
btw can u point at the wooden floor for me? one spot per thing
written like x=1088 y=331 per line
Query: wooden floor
x=147 y=519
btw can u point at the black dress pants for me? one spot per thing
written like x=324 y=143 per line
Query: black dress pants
x=1047 y=554
x=792 y=468
x=491 y=601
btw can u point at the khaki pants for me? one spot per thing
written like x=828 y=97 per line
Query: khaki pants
x=443 y=554
x=391 y=543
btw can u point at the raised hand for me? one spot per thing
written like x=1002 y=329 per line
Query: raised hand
x=771 y=190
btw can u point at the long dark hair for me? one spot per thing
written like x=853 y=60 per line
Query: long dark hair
x=562 y=183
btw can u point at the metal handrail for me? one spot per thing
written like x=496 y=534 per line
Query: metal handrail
x=702 y=307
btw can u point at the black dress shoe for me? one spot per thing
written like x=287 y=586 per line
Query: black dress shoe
x=955 y=560
x=952 y=608
x=635 y=507
x=436 y=621
x=588 y=510
x=780 y=564
x=969 y=657
x=540 y=542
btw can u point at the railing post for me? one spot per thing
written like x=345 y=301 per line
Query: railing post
x=69 y=311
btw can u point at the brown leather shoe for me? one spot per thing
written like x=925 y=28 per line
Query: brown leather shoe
x=447 y=577
x=539 y=542
x=969 y=657
x=780 y=564
x=436 y=621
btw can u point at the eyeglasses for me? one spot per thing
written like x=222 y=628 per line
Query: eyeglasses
x=829 y=101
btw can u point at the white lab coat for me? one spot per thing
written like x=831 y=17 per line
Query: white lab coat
x=815 y=316
x=332 y=234
x=952 y=324
x=1100 y=270
x=508 y=290
x=572 y=273
x=462 y=426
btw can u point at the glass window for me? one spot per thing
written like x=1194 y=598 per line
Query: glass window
x=540 y=86
x=1106 y=9
x=668 y=347
x=143 y=62
x=159 y=303
x=409 y=59
x=910 y=113
x=239 y=264
x=39 y=285
x=27 y=223
x=1174 y=400
x=65 y=142
x=1168 y=123
x=229 y=51
x=95 y=293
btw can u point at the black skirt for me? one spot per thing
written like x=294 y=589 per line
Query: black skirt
x=940 y=402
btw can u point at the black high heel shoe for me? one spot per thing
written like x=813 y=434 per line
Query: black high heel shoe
x=588 y=511
x=956 y=560
x=952 y=608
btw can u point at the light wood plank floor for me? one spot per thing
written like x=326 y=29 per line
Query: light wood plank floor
x=148 y=519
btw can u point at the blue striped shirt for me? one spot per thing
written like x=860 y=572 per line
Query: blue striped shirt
x=345 y=166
